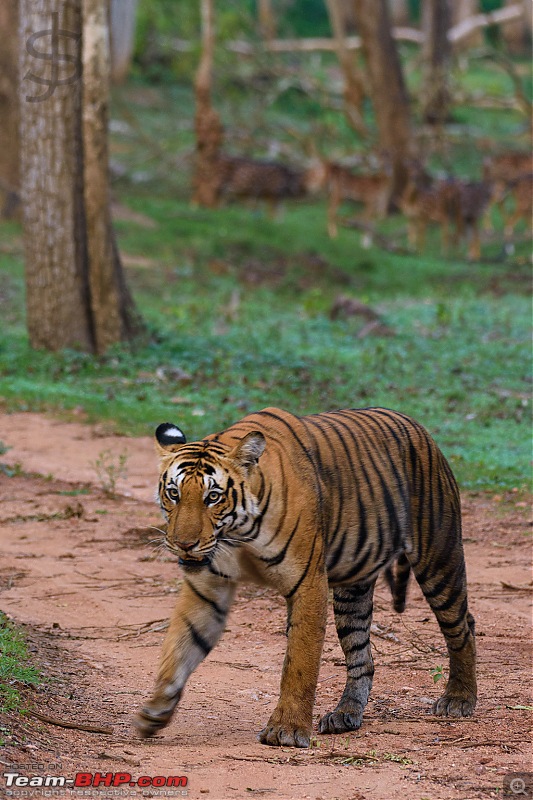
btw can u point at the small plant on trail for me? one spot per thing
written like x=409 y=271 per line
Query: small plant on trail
x=437 y=673
x=109 y=469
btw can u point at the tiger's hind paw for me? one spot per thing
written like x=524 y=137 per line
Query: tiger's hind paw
x=454 y=706
x=340 y=722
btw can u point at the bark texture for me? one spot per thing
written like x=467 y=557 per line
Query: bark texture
x=76 y=296
x=57 y=291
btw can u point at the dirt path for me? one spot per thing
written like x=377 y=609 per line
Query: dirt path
x=79 y=570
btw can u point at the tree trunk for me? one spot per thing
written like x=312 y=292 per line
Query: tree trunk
x=207 y=124
x=9 y=109
x=122 y=37
x=354 y=93
x=76 y=294
x=111 y=304
x=387 y=87
x=436 y=21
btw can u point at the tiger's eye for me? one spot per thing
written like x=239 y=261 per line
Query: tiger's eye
x=173 y=493
x=213 y=497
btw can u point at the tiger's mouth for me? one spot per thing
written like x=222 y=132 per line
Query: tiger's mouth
x=194 y=563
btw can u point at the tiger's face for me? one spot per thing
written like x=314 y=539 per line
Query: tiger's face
x=205 y=494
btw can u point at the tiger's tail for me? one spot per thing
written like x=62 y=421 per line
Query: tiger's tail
x=398 y=581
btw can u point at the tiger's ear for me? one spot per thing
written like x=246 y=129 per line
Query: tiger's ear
x=249 y=450
x=169 y=438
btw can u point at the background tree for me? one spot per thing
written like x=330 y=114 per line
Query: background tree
x=387 y=86
x=353 y=93
x=207 y=124
x=267 y=20
x=399 y=12
x=9 y=108
x=75 y=288
x=436 y=52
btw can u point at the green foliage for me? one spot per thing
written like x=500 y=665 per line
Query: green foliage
x=109 y=469
x=437 y=673
x=14 y=668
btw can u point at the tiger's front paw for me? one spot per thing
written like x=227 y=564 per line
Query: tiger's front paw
x=285 y=736
x=152 y=718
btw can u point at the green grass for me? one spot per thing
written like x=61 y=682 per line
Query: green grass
x=240 y=304
x=14 y=668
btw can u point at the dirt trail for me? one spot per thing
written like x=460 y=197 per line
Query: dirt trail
x=79 y=569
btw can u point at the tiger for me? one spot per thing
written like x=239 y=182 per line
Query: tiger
x=300 y=504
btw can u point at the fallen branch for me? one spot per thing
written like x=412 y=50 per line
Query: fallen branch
x=63 y=724
x=525 y=587
x=498 y=17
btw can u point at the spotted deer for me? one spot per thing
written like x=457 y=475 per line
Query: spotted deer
x=262 y=179
x=373 y=190
x=456 y=205
x=511 y=175
x=425 y=200
x=520 y=191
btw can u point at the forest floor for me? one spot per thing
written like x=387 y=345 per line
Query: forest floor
x=79 y=571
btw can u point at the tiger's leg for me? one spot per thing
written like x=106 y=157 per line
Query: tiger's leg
x=353 y=617
x=445 y=591
x=196 y=624
x=292 y=720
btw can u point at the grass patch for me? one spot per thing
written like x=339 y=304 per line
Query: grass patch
x=15 y=670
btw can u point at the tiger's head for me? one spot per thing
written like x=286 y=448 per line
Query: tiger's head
x=205 y=493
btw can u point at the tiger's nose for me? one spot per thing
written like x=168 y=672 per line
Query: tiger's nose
x=186 y=546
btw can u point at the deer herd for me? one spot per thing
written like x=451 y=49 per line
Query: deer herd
x=460 y=207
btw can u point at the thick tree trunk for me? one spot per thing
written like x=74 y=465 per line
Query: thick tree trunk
x=76 y=295
x=111 y=305
x=9 y=108
x=387 y=87
x=208 y=127
x=57 y=288
x=436 y=21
